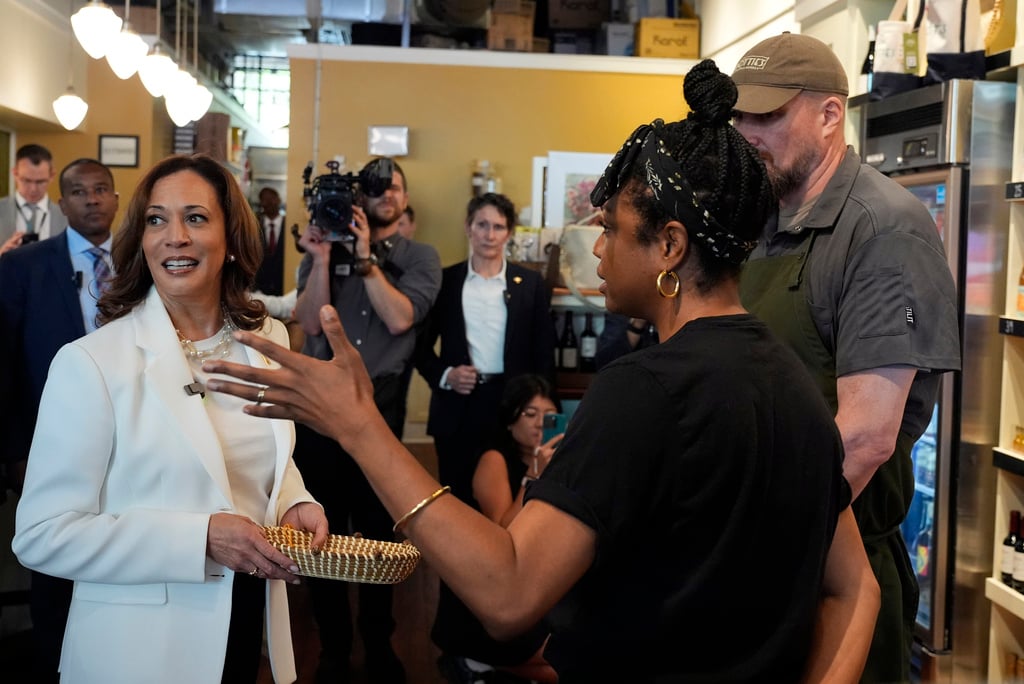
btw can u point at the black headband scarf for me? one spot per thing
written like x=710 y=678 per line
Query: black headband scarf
x=665 y=179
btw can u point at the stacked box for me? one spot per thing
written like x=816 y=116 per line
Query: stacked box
x=577 y=14
x=678 y=38
x=616 y=39
x=512 y=30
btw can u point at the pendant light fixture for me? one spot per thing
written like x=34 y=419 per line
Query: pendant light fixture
x=127 y=49
x=179 y=84
x=95 y=27
x=69 y=108
x=157 y=67
x=201 y=98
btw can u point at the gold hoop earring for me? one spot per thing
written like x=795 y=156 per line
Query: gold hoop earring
x=661 y=282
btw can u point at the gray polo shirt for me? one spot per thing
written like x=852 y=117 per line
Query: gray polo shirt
x=382 y=352
x=879 y=288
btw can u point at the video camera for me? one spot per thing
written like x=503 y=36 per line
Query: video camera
x=329 y=197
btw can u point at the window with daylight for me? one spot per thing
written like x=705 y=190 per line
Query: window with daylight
x=262 y=84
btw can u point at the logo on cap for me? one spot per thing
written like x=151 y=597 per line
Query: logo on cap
x=752 y=62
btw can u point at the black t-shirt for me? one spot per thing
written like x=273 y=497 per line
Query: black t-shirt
x=711 y=470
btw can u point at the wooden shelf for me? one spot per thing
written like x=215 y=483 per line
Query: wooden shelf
x=562 y=291
x=572 y=385
x=1004 y=597
x=1009 y=460
x=1011 y=325
x=561 y=297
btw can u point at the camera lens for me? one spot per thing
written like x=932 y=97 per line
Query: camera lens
x=334 y=214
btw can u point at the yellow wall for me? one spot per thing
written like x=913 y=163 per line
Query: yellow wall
x=116 y=107
x=458 y=114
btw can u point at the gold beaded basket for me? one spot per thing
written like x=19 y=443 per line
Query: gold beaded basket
x=351 y=559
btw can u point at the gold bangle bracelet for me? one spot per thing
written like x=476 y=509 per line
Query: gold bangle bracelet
x=419 y=507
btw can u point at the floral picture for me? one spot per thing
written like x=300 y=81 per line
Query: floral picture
x=571 y=177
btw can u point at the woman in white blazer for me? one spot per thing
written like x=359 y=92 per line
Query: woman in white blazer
x=145 y=490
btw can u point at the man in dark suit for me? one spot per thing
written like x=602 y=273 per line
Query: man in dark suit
x=270 y=277
x=48 y=293
x=494 y=321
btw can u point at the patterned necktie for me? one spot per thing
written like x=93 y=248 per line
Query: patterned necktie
x=30 y=222
x=100 y=270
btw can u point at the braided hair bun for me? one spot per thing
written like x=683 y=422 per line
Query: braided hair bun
x=710 y=94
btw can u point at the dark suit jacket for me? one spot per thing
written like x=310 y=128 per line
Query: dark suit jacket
x=529 y=338
x=270 y=276
x=39 y=313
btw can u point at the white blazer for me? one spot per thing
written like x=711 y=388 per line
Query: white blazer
x=124 y=472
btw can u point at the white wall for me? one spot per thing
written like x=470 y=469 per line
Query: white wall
x=37 y=40
x=730 y=27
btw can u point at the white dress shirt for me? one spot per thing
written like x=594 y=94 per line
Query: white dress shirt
x=485 y=313
x=42 y=216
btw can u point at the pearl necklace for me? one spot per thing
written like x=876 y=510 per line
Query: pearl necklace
x=222 y=348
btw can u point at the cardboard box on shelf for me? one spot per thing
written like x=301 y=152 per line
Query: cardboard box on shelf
x=678 y=38
x=522 y=8
x=616 y=39
x=512 y=30
x=577 y=14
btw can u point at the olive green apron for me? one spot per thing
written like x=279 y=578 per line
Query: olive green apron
x=774 y=289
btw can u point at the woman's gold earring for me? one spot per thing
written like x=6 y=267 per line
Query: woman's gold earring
x=660 y=283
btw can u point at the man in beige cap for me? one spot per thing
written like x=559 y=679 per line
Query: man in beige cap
x=853 y=276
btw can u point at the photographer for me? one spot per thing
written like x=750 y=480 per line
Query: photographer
x=382 y=286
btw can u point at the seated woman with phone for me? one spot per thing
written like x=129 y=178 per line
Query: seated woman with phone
x=531 y=429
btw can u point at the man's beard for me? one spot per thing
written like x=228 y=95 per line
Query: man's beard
x=786 y=181
x=382 y=216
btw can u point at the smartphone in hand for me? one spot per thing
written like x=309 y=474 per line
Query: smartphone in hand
x=554 y=424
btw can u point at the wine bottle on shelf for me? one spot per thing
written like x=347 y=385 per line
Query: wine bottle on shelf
x=588 y=346
x=867 y=69
x=1009 y=542
x=1018 y=563
x=569 y=347
x=558 y=349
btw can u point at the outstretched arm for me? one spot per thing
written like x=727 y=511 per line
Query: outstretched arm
x=509 y=578
x=846 y=614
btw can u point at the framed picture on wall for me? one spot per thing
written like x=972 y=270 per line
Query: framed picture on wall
x=570 y=178
x=119 y=150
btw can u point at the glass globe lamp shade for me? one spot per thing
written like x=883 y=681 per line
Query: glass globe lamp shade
x=126 y=53
x=179 y=96
x=95 y=27
x=178 y=108
x=200 y=101
x=155 y=71
x=70 y=109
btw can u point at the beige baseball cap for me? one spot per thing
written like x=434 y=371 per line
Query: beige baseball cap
x=776 y=70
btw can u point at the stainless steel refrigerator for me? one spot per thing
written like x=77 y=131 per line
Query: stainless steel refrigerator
x=950 y=144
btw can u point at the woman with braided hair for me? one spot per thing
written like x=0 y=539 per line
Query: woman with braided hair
x=693 y=525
